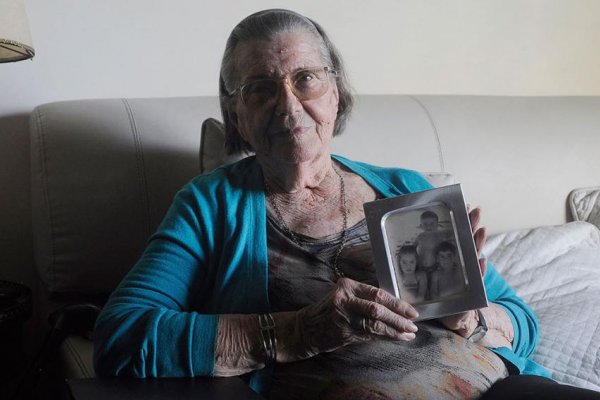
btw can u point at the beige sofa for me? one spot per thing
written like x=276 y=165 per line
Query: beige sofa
x=104 y=172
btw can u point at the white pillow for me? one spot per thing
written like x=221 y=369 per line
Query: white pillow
x=556 y=270
x=585 y=205
x=438 y=179
x=212 y=146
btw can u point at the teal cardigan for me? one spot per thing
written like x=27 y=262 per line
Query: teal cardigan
x=209 y=257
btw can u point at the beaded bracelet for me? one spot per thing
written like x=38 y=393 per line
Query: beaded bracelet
x=267 y=334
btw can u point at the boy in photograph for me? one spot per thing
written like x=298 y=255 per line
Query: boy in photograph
x=428 y=240
x=447 y=279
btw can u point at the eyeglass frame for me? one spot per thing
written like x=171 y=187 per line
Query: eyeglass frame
x=328 y=70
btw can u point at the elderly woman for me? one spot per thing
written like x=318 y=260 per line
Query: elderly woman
x=264 y=269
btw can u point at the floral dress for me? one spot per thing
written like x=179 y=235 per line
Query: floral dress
x=438 y=364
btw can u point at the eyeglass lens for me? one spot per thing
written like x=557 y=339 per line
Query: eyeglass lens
x=305 y=84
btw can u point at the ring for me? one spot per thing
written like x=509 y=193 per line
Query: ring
x=359 y=324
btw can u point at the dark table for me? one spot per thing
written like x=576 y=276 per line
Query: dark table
x=158 y=389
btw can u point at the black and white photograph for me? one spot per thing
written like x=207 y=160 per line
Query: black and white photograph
x=425 y=257
x=424 y=251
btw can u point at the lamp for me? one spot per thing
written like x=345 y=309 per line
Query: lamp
x=15 y=39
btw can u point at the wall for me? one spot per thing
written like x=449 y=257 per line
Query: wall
x=142 y=48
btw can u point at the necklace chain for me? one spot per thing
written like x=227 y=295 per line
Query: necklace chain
x=344 y=208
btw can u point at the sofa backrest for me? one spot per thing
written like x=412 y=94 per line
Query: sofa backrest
x=103 y=174
x=104 y=171
x=516 y=157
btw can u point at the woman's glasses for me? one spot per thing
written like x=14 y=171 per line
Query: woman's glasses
x=306 y=84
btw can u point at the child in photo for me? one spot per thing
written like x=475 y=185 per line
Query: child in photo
x=428 y=240
x=447 y=279
x=412 y=282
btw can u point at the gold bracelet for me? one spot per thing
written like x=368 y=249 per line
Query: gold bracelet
x=267 y=335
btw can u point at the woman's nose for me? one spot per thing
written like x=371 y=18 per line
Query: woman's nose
x=287 y=103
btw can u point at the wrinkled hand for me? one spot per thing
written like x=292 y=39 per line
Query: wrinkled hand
x=479 y=236
x=458 y=322
x=337 y=320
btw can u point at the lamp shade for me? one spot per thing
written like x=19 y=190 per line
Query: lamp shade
x=15 y=39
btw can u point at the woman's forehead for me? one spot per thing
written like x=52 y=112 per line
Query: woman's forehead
x=286 y=52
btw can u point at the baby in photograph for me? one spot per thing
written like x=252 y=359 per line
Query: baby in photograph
x=412 y=282
x=447 y=278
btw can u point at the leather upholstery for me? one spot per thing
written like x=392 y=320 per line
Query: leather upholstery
x=103 y=174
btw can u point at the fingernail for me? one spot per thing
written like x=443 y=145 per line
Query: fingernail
x=410 y=336
x=412 y=313
x=412 y=327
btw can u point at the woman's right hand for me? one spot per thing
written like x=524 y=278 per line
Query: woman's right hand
x=333 y=322
x=353 y=312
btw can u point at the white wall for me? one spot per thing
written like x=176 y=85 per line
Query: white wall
x=92 y=48
x=144 y=48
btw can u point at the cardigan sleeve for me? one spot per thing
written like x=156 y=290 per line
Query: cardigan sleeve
x=146 y=329
x=524 y=322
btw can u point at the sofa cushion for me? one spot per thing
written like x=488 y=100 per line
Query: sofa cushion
x=212 y=146
x=438 y=179
x=585 y=205
x=76 y=357
x=556 y=269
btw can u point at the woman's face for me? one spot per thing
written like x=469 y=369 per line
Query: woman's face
x=285 y=129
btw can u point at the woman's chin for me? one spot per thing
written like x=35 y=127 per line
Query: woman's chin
x=297 y=154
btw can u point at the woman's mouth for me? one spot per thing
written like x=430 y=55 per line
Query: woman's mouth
x=299 y=130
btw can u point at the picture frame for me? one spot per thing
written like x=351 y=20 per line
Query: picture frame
x=424 y=251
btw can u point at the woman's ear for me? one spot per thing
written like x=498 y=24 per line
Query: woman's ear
x=336 y=95
x=233 y=118
x=235 y=123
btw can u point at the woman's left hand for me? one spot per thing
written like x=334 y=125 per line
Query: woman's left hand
x=500 y=330
x=463 y=323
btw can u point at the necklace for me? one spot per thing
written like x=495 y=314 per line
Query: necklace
x=344 y=208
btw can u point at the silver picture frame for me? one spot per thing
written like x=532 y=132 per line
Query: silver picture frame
x=424 y=251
